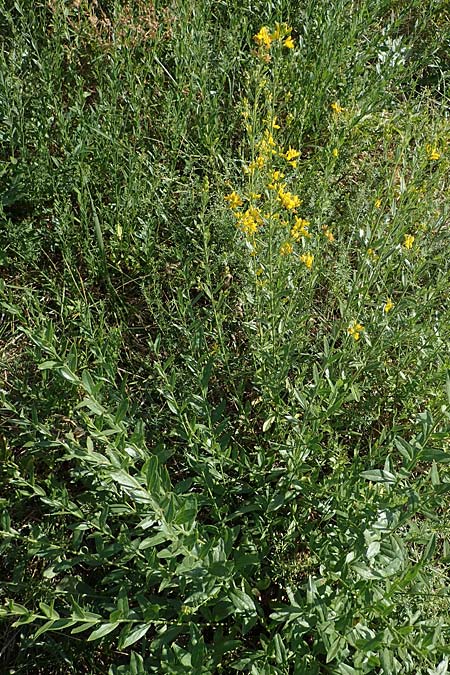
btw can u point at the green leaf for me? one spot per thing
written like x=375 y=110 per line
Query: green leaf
x=47 y=365
x=135 y=635
x=336 y=647
x=241 y=601
x=429 y=550
x=48 y=612
x=88 y=382
x=269 y=422
x=379 y=476
x=68 y=375
x=103 y=630
x=136 y=664
x=43 y=629
x=436 y=455
x=344 y=669
x=280 y=649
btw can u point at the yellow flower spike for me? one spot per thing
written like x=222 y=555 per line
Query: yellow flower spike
x=335 y=152
x=255 y=195
x=233 y=199
x=263 y=38
x=408 y=241
x=377 y=203
x=286 y=248
x=289 y=42
x=388 y=306
x=307 y=259
x=336 y=108
x=372 y=253
x=355 y=329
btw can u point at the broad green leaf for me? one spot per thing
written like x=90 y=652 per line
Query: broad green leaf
x=242 y=601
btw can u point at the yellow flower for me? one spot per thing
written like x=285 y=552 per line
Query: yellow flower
x=372 y=253
x=336 y=108
x=255 y=195
x=233 y=200
x=286 y=248
x=274 y=123
x=263 y=38
x=388 y=306
x=307 y=259
x=355 y=329
x=289 y=42
x=432 y=152
x=288 y=200
x=277 y=175
x=258 y=163
x=409 y=241
x=335 y=152
x=291 y=154
x=300 y=229
x=377 y=203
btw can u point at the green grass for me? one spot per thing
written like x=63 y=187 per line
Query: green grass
x=202 y=470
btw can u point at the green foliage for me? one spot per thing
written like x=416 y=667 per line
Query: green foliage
x=225 y=441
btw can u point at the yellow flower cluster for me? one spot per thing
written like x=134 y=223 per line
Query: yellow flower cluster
x=408 y=241
x=300 y=229
x=355 y=329
x=307 y=259
x=432 y=152
x=286 y=248
x=249 y=221
x=336 y=108
x=264 y=37
x=288 y=200
x=291 y=157
x=233 y=199
x=388 y=306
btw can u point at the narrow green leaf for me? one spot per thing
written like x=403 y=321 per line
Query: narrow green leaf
x=47 y=365
x=429 y=549
x=135 y=635
x=103 y=630
x=68 y=375
x=379 y=476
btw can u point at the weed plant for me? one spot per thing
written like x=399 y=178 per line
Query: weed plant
x=225 y=337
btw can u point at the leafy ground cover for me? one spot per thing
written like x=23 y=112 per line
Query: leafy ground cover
x=225 y=337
